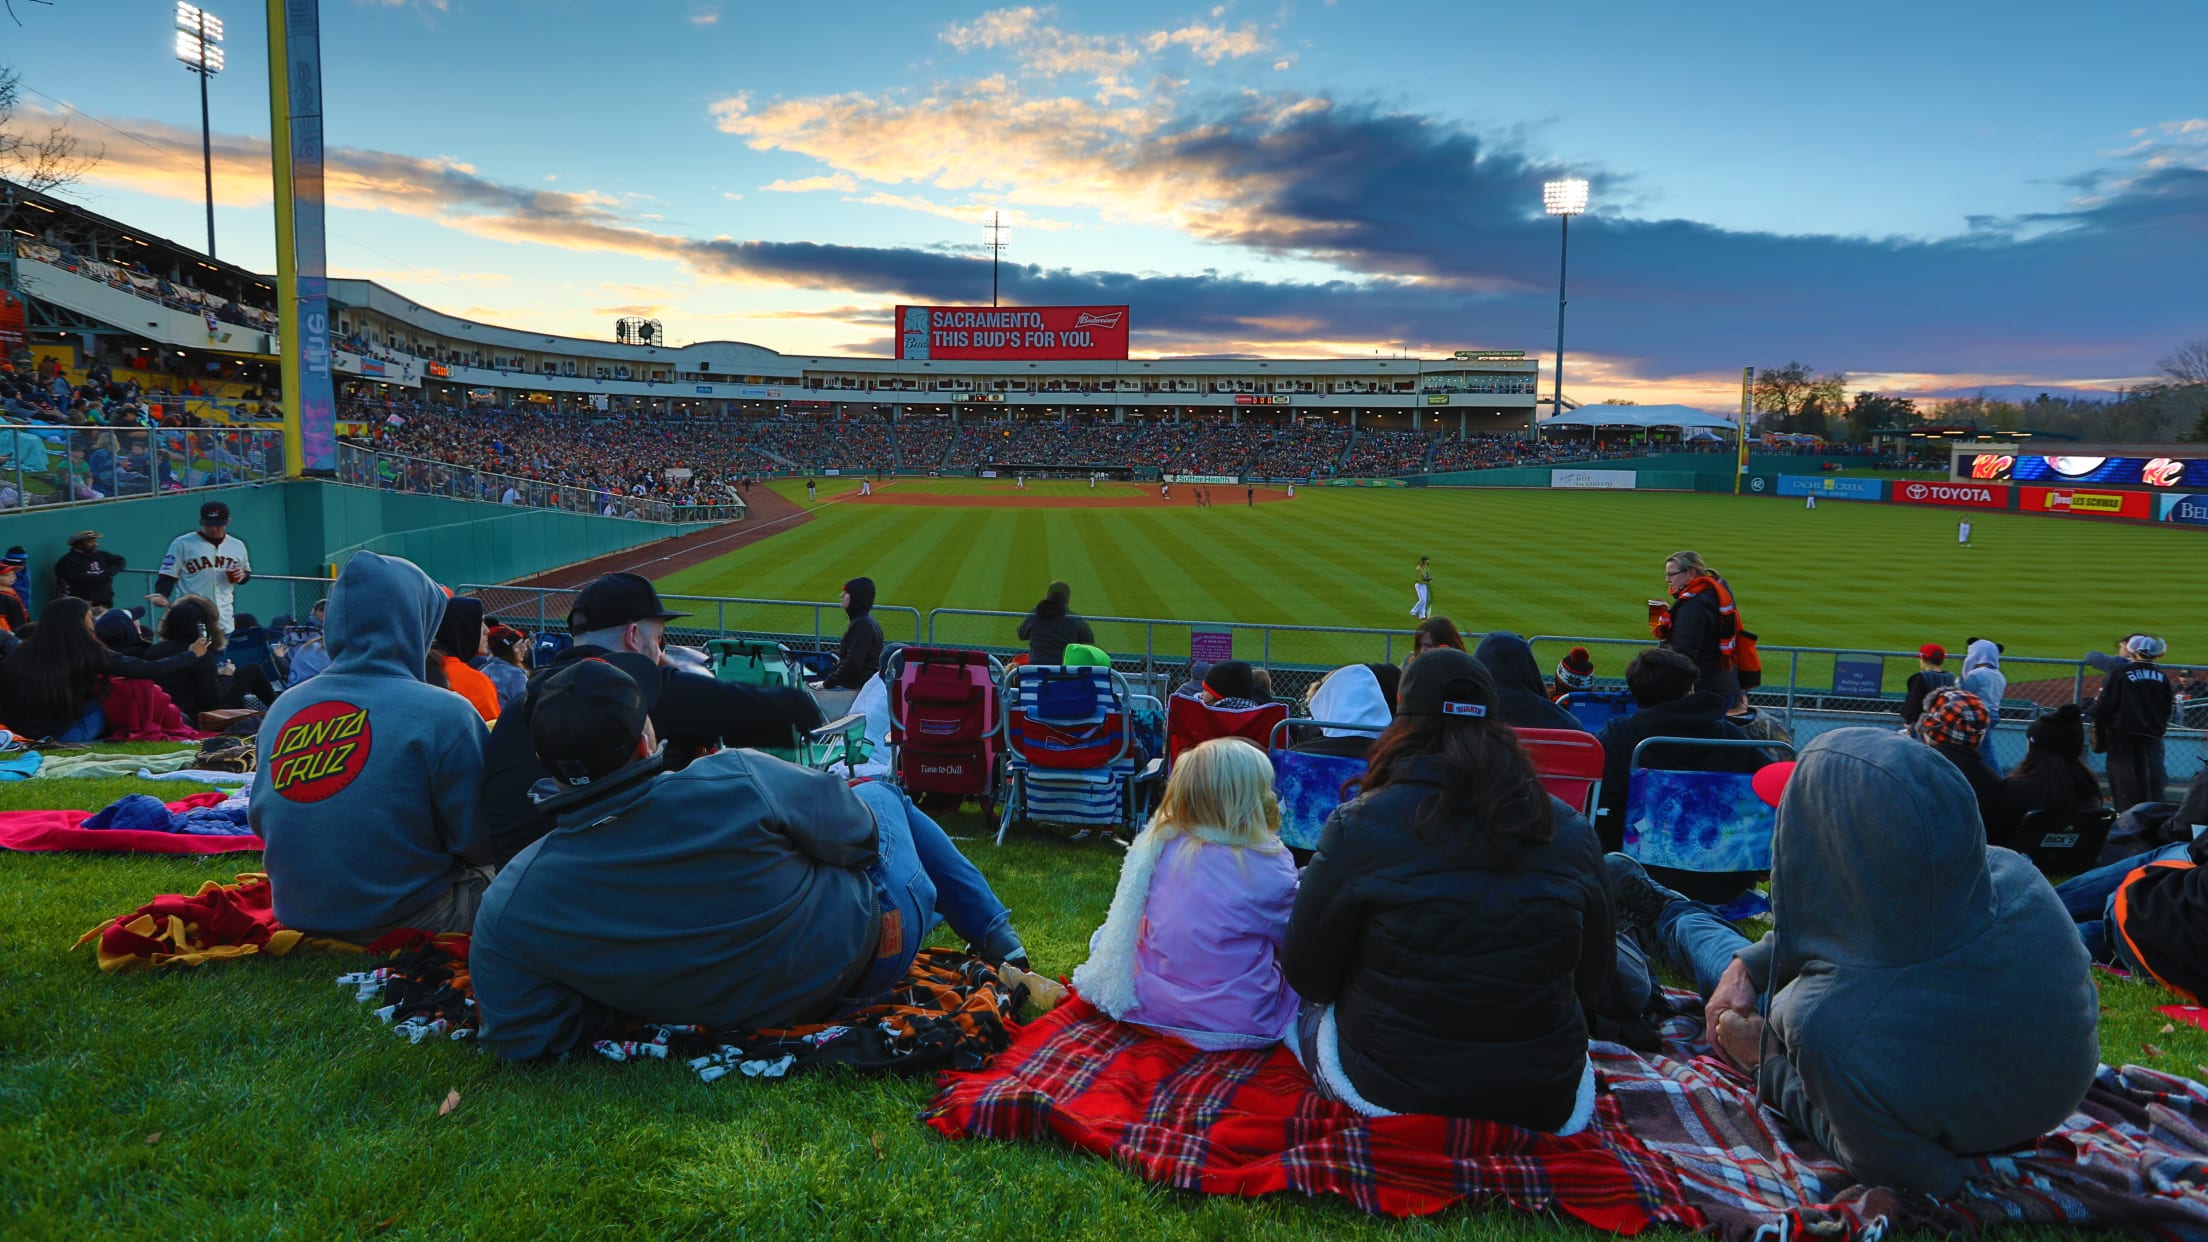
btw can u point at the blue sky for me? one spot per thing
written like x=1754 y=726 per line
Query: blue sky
x=1931 y=197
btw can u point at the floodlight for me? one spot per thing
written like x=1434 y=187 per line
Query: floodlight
x=1564 y=198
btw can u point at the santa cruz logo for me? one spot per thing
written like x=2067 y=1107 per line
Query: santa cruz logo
x=319 y=752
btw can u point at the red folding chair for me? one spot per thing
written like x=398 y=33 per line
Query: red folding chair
x=1569 y=764
x=945 y=714
x=1189 y=721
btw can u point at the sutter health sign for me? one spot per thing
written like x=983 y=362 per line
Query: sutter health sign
x=1012 y=333
x=1967 y=495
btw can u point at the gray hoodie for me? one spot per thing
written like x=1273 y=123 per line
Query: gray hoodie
x=1933 y=998
x=367 y=788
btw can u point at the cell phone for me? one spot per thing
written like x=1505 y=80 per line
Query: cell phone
x=203 y=632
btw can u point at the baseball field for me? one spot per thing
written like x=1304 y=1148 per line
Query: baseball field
x=1845 y=575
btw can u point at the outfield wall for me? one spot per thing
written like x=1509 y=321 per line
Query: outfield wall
x=302 y=528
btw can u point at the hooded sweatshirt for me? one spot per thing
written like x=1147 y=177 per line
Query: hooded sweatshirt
x=860 y=656
x=367 y=789
x=1929 y=997
x=460 y=635
x=1351 y=695
x=1523 y=701
x=1050 y=628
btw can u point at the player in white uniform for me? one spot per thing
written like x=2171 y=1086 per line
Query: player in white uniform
x=1962 y=533
x=1422 y=582
x=210 y=562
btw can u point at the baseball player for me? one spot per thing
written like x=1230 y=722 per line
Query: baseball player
x=1422 y=583
x=209 y=561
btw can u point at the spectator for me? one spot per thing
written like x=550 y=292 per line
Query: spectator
x=458 y=642
x=1983 y=677
x=692 y=713
x=16 y=559
x=1452 y=830
x=1349 y=696
x=1519 y=696
x=2053 y=776
x=1575 y=673
x=310 y=653
x=212 y=682
x=1954 y=723
x=1701 y=622
x=1662 y=683
x=1930 y=1008
x=88 y=572
x=54 y=685
x=1435 y=632
x=13 y=616
x=1231 y=686
x=740 y=892
x=501 y=661
x=209 y=562
x=121 y=633
x=859 y=656
x=1760 y=726
x=2130 y=716
x=1931 y=675
x=1191 y=944
x=1052 y=625
x=368 y=782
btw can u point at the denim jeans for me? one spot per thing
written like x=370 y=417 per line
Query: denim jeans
x=2091 y=901
x=923 y=879
x=1691 y=937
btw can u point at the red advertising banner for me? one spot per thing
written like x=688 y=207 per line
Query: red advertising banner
x=1012 y=333
x=12 y=322
x=1967 y=495
x=2088 y=502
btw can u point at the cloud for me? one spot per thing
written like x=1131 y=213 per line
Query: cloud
x=644 y=310
x=705 y=17
x=1210 y=44
x=807 y=185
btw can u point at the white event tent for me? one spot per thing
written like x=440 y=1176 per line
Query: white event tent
x=1640 y=417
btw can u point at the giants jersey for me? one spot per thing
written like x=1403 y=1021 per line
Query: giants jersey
x=200 y=568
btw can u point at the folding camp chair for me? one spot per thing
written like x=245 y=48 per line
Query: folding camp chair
x=1707 y=833
x=1069 y=748
x=1310 y=786
x=945 y=714
x=1569 y=764
x=253 y=646
x=1596 y=708
x=2062 y=842
x=1189 y=721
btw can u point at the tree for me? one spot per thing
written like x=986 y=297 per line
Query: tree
x=40 y=161
x=1874 y=412
x=1798 y=399
x=2188 y=363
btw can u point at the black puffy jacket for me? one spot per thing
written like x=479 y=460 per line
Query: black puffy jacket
x=1049 y=629
x=1461 y=974
x=1697 y=632
x=860 y=655
x=1519 y=696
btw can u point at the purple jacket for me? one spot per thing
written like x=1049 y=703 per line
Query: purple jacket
x=1204 y=962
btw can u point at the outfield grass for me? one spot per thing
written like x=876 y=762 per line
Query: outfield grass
x=1549 y=562
x=258 y=1099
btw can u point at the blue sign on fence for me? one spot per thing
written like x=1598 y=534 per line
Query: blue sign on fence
x=2192 y=510
x=1830 y=487
x=1858 y=679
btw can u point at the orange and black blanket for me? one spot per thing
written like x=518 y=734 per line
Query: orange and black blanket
x=949 y=1012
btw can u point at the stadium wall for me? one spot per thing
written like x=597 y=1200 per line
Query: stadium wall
x=301 y=529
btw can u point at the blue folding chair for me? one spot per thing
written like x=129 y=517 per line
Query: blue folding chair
x=249 y=647
x=1713 y=826
x=1069 y=749
x=1596 y=708
x=1311 y=786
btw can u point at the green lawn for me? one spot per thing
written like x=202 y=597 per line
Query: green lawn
x=1539 y=562
x=257 y=1099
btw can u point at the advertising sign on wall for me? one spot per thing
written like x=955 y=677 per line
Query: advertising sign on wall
x=1012 y=333
x=1968 y=495
x=1615 y=480
x=1825 y=487
x=12 y=320
x=2173 y=472
x=1224 y=480
x=2083 y=502
x=2191 y=510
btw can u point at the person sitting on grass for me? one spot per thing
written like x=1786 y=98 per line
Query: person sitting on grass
x=54 y=685
x=1232 y=686
x=2053 y=775
x=459 y=640
x=1191 y=946
x=1524 y=702
x=1349 y=696
x=1452 y=931
x=367 y=789
x=1575 y=674
x=1954 y=723
x=2147 y=913
x=1919 y=998
x=740 y=892
x=1052 y=626
x=1435 y=632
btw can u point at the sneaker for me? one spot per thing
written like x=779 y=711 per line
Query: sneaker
x=1640 y=900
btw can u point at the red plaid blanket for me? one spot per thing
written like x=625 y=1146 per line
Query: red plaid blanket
x=1678 y=1137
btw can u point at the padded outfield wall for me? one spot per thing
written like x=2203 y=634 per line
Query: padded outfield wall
x=302 y=528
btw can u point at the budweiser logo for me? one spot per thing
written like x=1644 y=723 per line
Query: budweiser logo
x=1090 y=319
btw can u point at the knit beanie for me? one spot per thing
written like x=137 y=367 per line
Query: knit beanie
x=2061 y=731
x=1954 y=717
x=1576 y=671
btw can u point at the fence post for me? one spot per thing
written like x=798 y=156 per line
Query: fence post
x=720 y=616
x=1150 y=648
x=2077 y=685
x=1268 y=646
x=540 y=610
x=1793 y=676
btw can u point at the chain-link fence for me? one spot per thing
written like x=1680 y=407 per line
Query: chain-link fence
x=42 y=465
x=800 y=624
x=367 y=468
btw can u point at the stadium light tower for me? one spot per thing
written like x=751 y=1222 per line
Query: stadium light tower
x=199 y=48
x=1562 y=199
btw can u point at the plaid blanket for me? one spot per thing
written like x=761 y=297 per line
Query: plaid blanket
x=1678 y=1138
x=949 y=1012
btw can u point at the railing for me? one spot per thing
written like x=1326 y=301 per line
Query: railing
x=365 y=467
x=44 y=465
x=266 y=596
x=538 y=609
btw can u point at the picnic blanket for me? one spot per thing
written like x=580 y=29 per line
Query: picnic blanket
x=41 y=831
x=220 y=922
x=949 y=1012
x=1678 y=1138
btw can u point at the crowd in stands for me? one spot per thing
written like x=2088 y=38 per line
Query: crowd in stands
x=1388 y=452
x=1491 y=452
x=859 y=442
x=103 y=437
x=134 y=278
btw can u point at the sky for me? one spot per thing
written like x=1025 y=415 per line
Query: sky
x=1934 y=199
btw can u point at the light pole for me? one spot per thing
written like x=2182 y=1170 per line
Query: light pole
x=199 y=48
x=1562 y=199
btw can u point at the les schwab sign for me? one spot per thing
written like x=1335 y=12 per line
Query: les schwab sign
x=1012 y=333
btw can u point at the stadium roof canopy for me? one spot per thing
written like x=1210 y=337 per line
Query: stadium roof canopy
x=1682 y=416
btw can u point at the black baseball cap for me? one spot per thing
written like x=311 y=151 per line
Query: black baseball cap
x=1445 y=682
x=214 y=513
x=585 y=718
x=617 y=599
